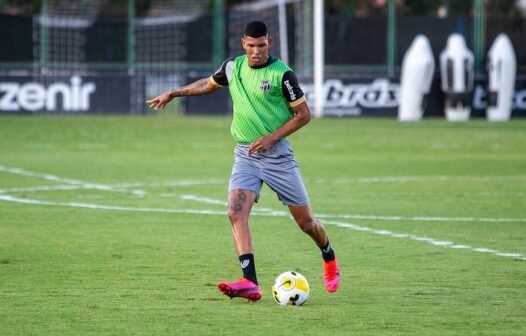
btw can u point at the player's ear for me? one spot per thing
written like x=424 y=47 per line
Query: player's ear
x=243 y=42
x=269 y=40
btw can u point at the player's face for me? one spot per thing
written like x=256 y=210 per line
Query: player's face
x=256 y=49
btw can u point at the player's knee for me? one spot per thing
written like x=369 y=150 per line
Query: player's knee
x=307 y=225
x=232 y=215
x=235 y=215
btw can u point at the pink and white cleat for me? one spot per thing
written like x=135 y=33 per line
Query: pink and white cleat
x=242 y=288
x=331 y=275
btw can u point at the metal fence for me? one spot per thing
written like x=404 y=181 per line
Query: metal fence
x=149 y=46
x=174 y=35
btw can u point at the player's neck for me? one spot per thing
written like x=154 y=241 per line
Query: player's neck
x=262 y=65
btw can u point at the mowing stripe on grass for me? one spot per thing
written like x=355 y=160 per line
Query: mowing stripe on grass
x=388 y=233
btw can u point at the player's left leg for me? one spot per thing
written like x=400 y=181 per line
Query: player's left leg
x=281 y=173
x=309 y=224
x=240 y=202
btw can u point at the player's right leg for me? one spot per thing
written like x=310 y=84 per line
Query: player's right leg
x=240 y=202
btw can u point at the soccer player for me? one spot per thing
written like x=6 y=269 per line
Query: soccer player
x=268 y=106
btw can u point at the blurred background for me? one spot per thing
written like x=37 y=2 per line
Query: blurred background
x=102 y=56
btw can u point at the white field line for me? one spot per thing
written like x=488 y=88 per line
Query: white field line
x=425 y=218
x=47 y=177
x=388 y=233
x=204 y=200
x=121 y=187
x=428 y=240
x=368 y=217
x=81 y=184
x=138 y=192
x=107 y=207
x=383 y=179
x=43 y=188
x=373 y=179
x=218 y=202
x=73 y=184
x=170 y=183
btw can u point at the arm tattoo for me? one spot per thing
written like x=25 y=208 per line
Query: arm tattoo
x=199 y=87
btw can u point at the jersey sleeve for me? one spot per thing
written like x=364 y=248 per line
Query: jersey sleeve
x=221 y=76
x=291 y=89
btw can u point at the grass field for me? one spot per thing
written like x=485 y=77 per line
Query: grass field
x=117 y=226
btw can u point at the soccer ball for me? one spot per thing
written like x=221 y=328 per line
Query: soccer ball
x=290 y=288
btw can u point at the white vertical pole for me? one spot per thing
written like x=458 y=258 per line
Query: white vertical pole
x=283 y=37
x=319 y=12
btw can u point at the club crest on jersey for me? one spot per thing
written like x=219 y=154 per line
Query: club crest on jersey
x=265 y=85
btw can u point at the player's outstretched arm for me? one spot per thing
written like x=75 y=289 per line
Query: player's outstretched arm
x=200 y=87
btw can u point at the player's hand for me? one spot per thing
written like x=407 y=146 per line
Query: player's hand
x=160 y=101
x=262 y=144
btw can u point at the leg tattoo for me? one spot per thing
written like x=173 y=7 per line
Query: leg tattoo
x=241 y=198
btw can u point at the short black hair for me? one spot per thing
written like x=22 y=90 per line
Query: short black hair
x=256 y=29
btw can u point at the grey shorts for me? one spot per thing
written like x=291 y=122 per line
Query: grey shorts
x=276 y=167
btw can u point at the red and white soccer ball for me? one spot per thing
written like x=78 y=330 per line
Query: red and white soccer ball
x=290 y=288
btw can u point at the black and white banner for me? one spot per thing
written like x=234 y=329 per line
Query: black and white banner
x=356 y=97
x=380 y=97
x=114 y=94
x=369 y=97
x=68 y=94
